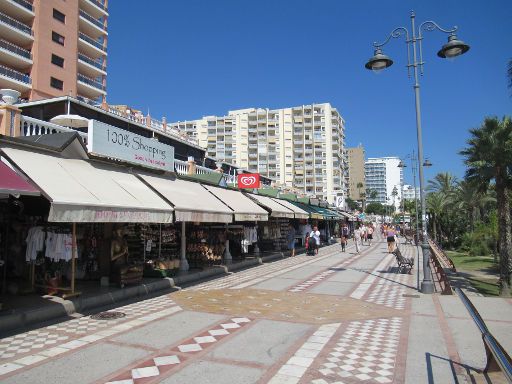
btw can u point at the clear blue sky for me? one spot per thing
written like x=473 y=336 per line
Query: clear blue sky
x=189 y=58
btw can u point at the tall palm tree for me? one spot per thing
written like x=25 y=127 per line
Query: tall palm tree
x=436 y=205
x=489 y=157
x=470 y=199
x=443 y=182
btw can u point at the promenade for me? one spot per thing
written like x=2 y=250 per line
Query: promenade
x=331 y=318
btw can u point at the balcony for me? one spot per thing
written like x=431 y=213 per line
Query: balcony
x=15 y=56
x=21 y=10
x=89 y=87
x=10 y=78
x=15 y=31
x=90 y=67
x=90 y=47
x=95 y=8
x=90 y=25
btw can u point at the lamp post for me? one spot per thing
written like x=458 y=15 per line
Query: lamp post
x=380 y=61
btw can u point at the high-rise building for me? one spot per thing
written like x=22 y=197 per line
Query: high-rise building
x=410 y=194
x=356 y=178
x=299 y=147
x=52 y=48
x=383 y=175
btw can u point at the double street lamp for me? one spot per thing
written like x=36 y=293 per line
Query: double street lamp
x=453 y=48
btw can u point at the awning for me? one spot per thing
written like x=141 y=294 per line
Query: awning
x=299 y=213
x=81 y=191
x=191 y=201
x=13 y=184
x=348 y=216
x=277 y=209
x=244 y=208
x=312 y=213
x=325 y=213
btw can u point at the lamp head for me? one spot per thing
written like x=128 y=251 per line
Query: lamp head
x=379 y=61
x=427 y=163
x=401 y=164
x=453 y=48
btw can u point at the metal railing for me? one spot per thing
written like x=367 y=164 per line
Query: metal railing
x=91 y=41
x=15 y=49
x=87 y=100
x=95 y=63
x=93 y=20
x=89 y=81
x=25 y=4
x=13 y=74
x=15 y=23
x=98 y=3
x=32 y=127
x=497 y=358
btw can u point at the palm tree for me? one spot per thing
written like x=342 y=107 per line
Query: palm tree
x=489 y=157
x=443 y=182
x=436 y=205
x=471 y=200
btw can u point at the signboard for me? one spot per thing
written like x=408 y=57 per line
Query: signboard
x=109 y=141
x=249 y=180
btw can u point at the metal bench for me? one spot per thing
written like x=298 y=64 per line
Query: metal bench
x=497 y=358
x=404 y=263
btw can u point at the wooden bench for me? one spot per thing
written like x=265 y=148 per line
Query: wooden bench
x=408 y=238
x=404 y=263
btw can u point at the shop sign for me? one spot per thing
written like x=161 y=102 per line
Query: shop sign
x=249 y=180
x=109 y=141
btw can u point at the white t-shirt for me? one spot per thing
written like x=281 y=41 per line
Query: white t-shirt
x=316 y=236
x=357 y=234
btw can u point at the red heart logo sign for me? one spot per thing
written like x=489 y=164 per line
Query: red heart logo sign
x=248 y=180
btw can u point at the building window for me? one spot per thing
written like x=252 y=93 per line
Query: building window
x=59 y=16
x=59 y=39
x=56 y=83
x=57 y=60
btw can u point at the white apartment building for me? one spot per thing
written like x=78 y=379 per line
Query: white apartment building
x=409 y=193
x=383 y=175
x=299 y=147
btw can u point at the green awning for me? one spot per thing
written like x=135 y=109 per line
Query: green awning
x=303 y=200
x=271 y=192
x=313 y=214
x=288 y=196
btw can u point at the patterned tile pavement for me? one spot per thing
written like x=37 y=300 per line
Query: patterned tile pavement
x=365 y=352
x=163 y=361
x=32 y=347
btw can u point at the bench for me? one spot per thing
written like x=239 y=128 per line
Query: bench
x=404 y=263
x=408 y=238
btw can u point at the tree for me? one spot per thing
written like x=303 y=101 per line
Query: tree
x=488 y=157
x=443 y=182
x=376 y=209
x=352 y=204
x=436 y=204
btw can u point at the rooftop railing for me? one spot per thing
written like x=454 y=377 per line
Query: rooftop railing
x=15 y=23
x=15 y=49
x=32 y=127
x=13 y=74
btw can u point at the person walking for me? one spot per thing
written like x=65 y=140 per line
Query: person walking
x=344 y=236
x=369 y=233
x=315 y=234
x=357 y=238
x=290 y=239
x=390 y=237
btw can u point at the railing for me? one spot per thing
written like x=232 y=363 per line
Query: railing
x=89 y=81
x=444 y=260
x=31 y=127
x=181 y=168
x=98 y=3
x=95 y=63
x=93 y=20
x=13 y=74
x=497 y=358
x=25 y=4
x=91 y=41
x=87 y=100
x=15 y=49
x=16 y=24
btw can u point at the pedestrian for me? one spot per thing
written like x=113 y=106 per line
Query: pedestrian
x=369 y=234
x=343 y=241
x=390 y=237
x=290 y=239
x=315 y=234
x=357 y=237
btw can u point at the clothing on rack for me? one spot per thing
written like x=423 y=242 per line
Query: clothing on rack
x=251 y=235
x=35 y=242
x=59 y=246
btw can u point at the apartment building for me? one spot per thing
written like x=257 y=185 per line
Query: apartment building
x=299 y=147
x=383 y=175
x=410 y=193
x=52 y=48
x=355 y=157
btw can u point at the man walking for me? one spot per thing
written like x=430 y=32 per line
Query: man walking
x=357 y=238
x=315 y=234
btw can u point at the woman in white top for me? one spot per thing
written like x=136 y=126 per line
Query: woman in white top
x=357 y=237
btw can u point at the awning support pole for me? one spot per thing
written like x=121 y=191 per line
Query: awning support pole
x=256 y=248
x=73 y=258
x=183 y=260
x=227 y=255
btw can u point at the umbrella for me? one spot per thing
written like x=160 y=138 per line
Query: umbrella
x=72 y=121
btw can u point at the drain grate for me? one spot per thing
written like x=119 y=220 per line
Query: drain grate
x=413 y=296
x=108 y=315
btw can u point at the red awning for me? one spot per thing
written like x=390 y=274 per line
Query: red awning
x=13 y=184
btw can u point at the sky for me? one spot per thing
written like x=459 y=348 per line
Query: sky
x=184 y=59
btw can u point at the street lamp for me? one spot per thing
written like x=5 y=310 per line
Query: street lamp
x=380 y=61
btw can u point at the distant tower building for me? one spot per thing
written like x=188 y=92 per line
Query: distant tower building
x=383 y=175
x=53 y=48
x=356 y=174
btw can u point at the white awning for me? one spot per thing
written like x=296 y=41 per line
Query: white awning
x=81 y=191
x=299 y=213
x=348 y=216
x=277 y=209
x=191 y=201
x=244 y=208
